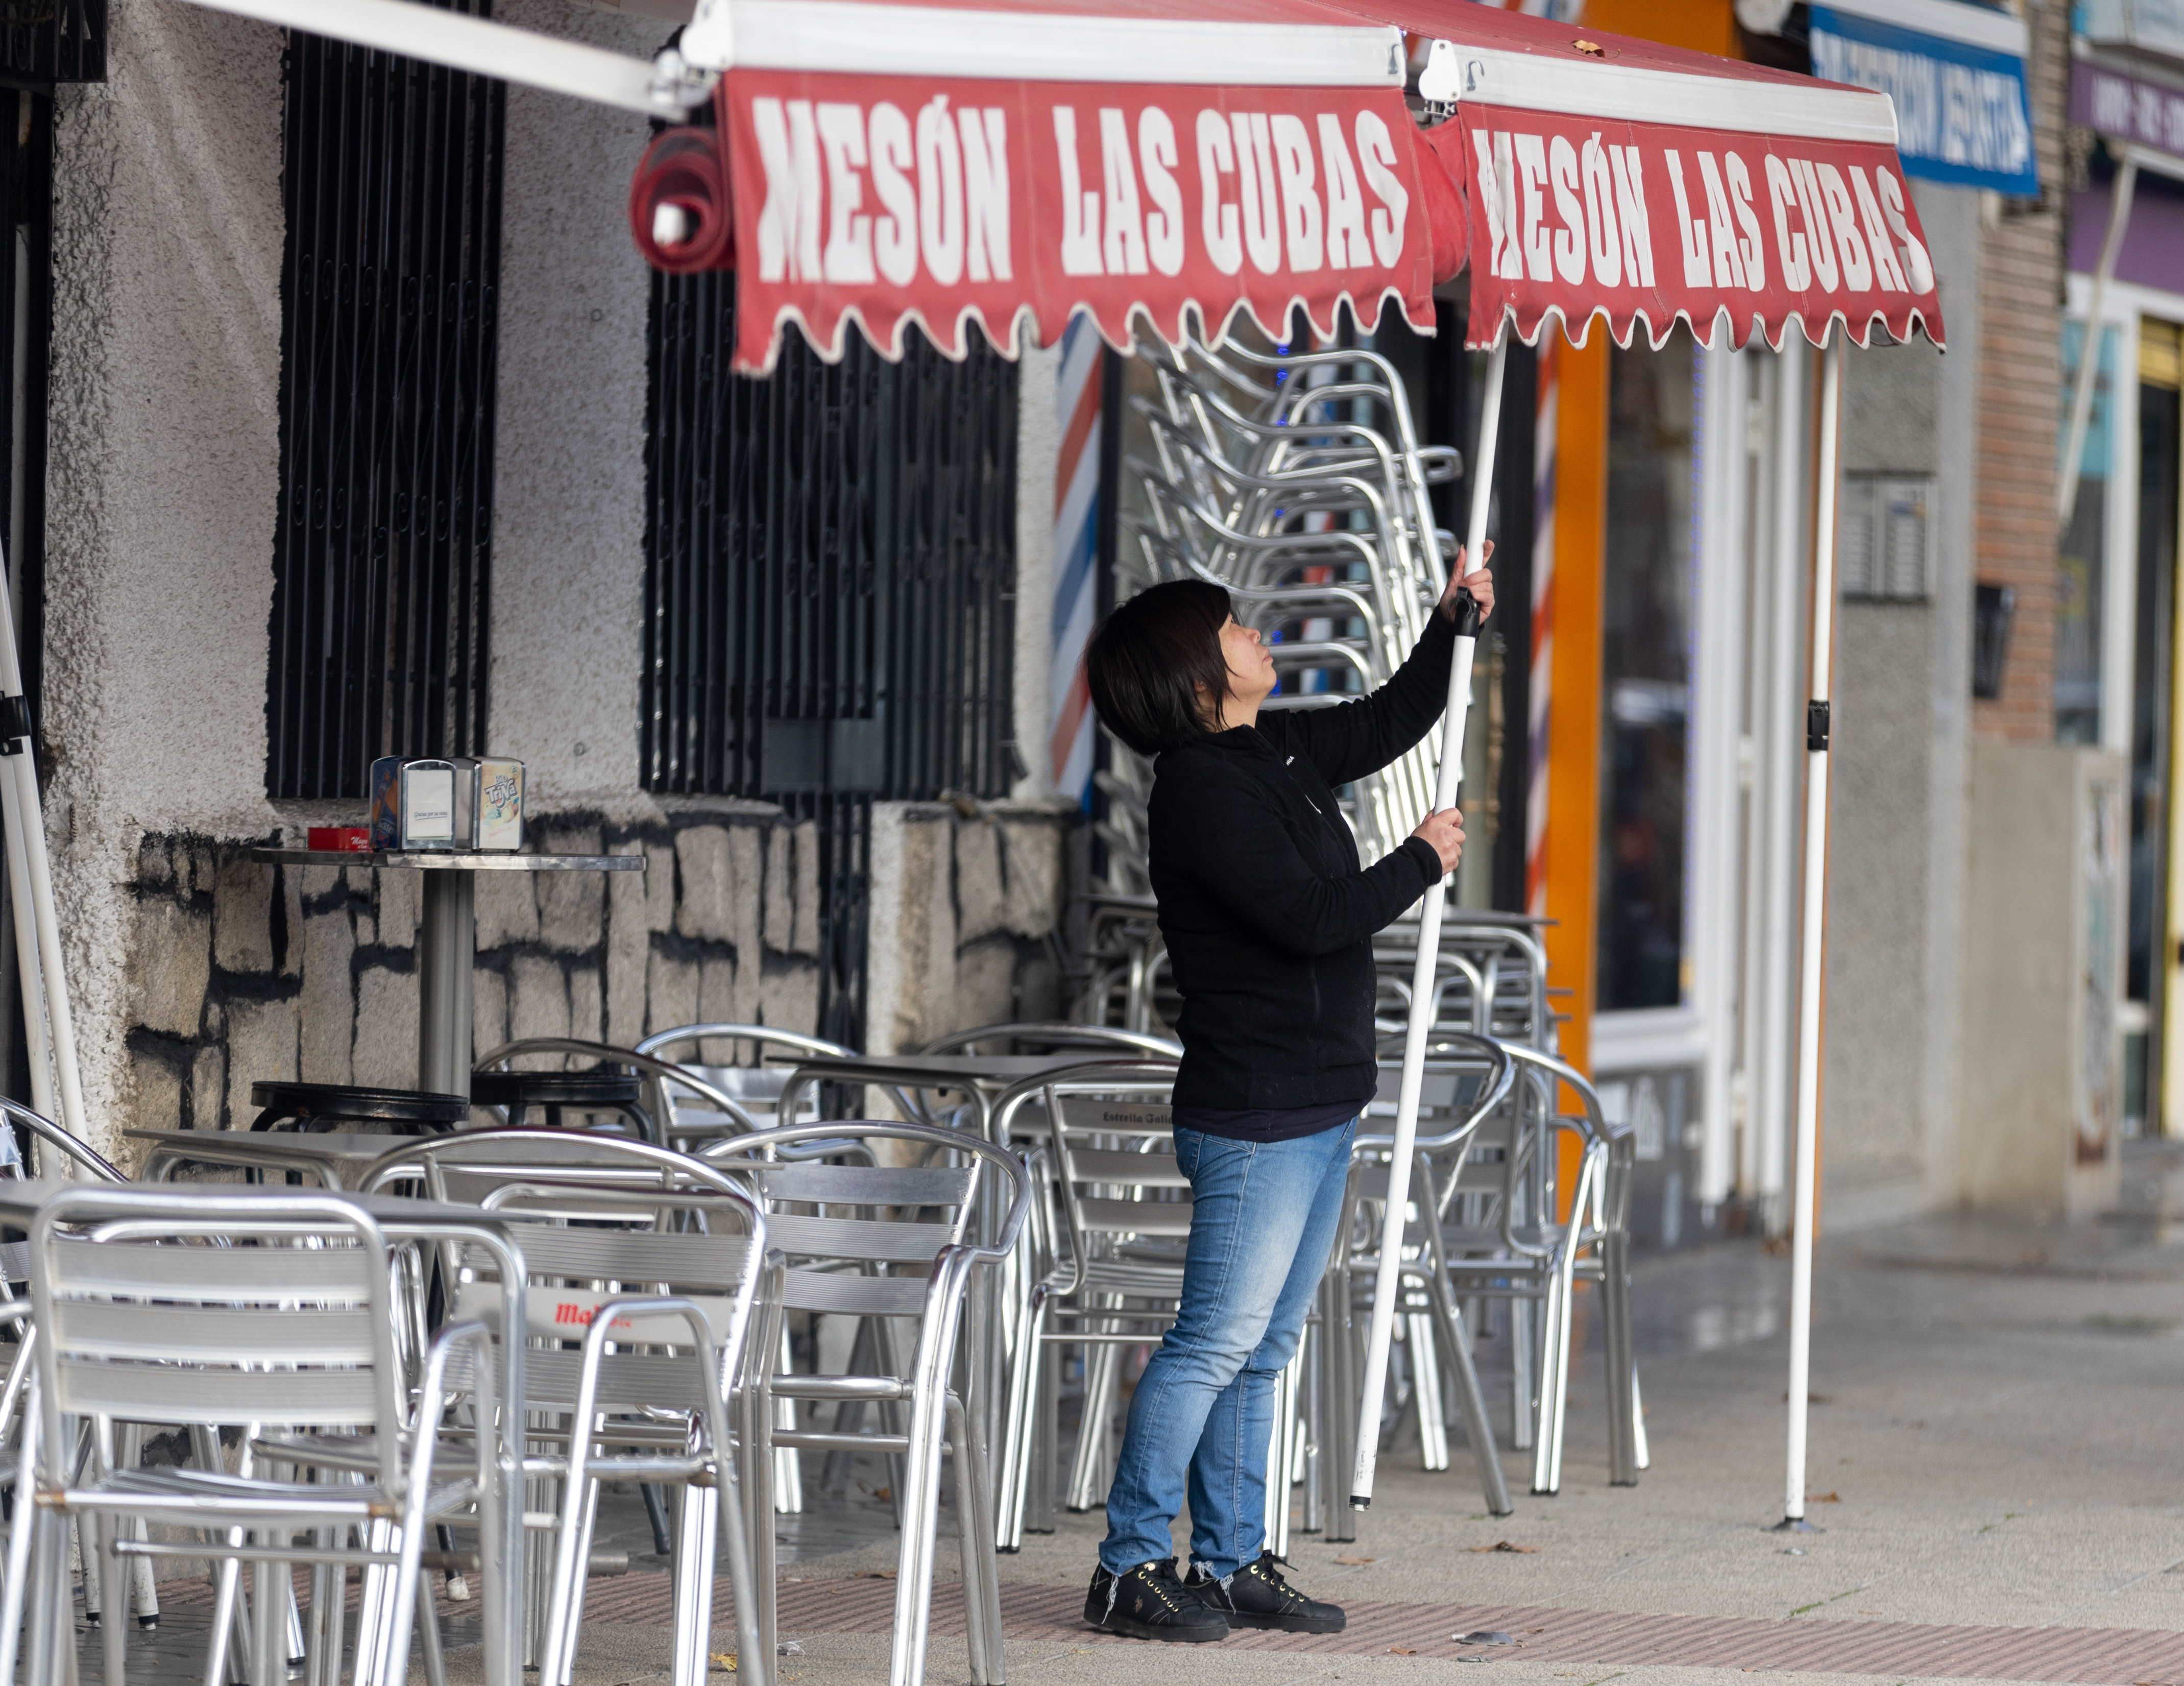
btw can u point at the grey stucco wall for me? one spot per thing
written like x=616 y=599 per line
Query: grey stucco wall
x=568 y=520
x=162 y=487
x=1898 y=787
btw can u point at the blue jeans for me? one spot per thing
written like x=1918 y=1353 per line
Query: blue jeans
x=1262 y=1228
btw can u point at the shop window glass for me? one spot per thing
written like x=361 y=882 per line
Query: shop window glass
x=1646 y=682
x=2080 y=575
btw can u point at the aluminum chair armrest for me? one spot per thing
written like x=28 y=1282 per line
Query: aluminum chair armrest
x=882 y=1388
x=771 y=1143
x=54 y=1135
x=744 y=1033
x=661 y=1070
x=1496 y=1056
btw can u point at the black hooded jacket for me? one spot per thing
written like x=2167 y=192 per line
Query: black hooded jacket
x=1268 y=917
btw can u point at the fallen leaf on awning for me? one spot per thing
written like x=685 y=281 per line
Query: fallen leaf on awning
x=1824 y=1498
x=1504 y=1545
x=1402 y=1650
x=1354 y=1561
x=876 y=1574
x=725 y=1660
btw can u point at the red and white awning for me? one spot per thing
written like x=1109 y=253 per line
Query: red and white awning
x=897 y=164
x=1609 y=178
x=891 y=162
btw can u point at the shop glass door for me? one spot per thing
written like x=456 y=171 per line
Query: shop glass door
x=2151 y=1070
x=1647 y=681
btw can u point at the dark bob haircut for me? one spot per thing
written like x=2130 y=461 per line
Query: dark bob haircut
x=1155 y=664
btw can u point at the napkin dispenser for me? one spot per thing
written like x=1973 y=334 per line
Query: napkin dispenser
x=416 y=803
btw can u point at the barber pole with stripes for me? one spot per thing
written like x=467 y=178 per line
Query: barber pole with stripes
x=1076 y=554
x=1539 y=686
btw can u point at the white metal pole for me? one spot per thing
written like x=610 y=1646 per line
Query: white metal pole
x=1806 y=1198
x=1422 y=975
x=1792 y=420
x=2089 y=347
x=30 y=975
x=30 y=870
x=487 y=48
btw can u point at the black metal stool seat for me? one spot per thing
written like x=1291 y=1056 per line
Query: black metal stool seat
x=598 y=1090
x=345 y=1106
x=595 y=1088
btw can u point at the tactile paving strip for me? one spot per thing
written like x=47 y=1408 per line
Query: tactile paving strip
x=2068 y=1657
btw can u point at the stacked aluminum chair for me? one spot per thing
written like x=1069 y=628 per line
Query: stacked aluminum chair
x=1297 y=482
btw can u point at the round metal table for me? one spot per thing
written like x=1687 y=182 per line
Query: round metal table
x=447 y=936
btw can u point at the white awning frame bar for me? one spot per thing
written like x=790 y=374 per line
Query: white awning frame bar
x=1609 y=92
x=874 y=38
x=666 y=88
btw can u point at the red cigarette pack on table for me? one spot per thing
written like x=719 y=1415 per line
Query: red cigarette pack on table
x=349 y=840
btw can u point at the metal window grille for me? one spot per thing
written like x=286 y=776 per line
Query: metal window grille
x=42 y=42
x=390 y=291
x=830 y=565
x=830 y=573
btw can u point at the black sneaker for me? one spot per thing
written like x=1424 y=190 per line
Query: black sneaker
x=1149 y=1602
x=1256 y=1596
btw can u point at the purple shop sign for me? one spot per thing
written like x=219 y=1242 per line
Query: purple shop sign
x=2126 y=107
x=2153 y=252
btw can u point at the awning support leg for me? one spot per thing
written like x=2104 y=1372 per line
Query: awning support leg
x=1422 y=977
x=1812 y=948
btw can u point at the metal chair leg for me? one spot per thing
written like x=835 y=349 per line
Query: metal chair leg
x=1313 y=1350
x=51 y=1625
x=655 y=1514
x=1478 y=1427
x=1527 y=1331
x=1102 y=1372
x=1552 y=1314
x=15 y=1591
x=1623 y=1432
x=1339 y=1338
x=913 y=1592
x=982 y=1587
x=694 y=1587
x=788 y=1471
x=1024 y=1375
x=428 y=1634
x=1045 y=1473
x=1425 y=1390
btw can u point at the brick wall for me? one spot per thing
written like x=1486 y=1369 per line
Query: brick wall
x=2020 y=402
x=242 y=972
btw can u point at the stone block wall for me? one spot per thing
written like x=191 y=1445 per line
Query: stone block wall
x=966 y=910
x=240 y=972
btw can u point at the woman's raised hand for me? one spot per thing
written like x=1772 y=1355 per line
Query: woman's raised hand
x=1480 y=583
x=1443 y=830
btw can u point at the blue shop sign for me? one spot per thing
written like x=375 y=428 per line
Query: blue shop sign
x=1956 y=73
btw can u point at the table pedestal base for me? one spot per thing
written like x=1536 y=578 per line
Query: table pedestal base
x=447 y=956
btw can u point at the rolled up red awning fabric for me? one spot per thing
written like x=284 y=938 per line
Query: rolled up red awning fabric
x=1447 y=214
x=685 y=172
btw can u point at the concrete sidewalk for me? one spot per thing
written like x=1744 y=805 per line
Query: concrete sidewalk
x=1995 y=1426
